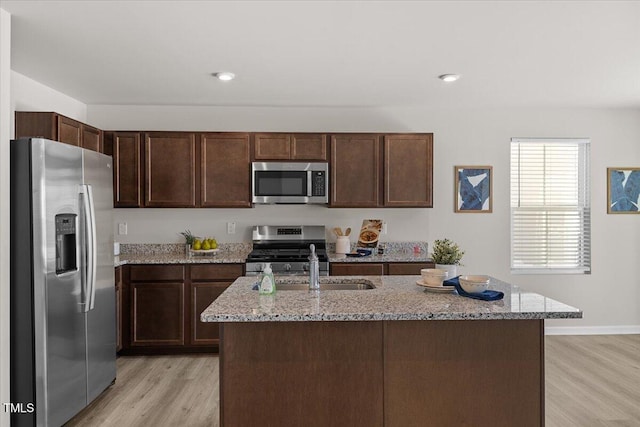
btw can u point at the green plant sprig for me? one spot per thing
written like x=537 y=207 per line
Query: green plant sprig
x=446 y=252
x=188 y=237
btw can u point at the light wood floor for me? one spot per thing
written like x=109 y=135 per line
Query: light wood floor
x=590 y=381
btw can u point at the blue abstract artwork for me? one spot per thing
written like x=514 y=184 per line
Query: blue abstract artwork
x=624 y=190
x=473 y=189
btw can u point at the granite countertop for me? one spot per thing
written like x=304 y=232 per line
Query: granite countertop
x=236 y=253
x=394 y=298
x=229 y=253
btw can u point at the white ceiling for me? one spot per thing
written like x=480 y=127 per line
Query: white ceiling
x=325 y=53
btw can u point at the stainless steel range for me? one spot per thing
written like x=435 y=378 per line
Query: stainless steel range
x=286 y=247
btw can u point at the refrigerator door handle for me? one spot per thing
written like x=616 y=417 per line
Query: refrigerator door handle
x=90 y=242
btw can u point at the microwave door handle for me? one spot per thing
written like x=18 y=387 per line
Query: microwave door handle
x=309 y=183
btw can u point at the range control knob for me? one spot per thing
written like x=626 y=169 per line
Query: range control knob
x=305 y=266
x=287 y=267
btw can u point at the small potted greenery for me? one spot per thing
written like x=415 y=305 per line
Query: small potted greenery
x=447 y=255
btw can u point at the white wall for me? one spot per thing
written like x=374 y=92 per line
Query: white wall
x=610 y=297
x=19 y=93
x=5 y=136
x=30 y=95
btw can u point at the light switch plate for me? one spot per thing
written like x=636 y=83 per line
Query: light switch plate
x=122 y=228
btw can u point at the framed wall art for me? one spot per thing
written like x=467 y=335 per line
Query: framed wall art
x=473 y=189
x=623 y=190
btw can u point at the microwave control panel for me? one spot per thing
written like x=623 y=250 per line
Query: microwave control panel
x=318 y=183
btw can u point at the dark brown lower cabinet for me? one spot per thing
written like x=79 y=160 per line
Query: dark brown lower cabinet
x=158 y=316
x=118 y=283
x=164 y=302
x=208 y=281
x=392 y=373
x=378 y=268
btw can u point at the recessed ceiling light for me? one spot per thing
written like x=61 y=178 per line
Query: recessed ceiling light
x=449 y=77
x=225 y=76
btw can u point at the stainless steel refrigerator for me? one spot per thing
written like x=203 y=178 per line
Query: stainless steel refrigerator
x=63 y=337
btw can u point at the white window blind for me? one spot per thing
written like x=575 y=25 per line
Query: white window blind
x=550 y=206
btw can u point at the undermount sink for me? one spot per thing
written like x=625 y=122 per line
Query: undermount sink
x=359 y=285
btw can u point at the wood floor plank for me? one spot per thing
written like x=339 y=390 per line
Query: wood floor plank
x=591 y=381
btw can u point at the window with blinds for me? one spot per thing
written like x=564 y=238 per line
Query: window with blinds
x=550 y=206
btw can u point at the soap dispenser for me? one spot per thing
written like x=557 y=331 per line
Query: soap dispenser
x=268 y=283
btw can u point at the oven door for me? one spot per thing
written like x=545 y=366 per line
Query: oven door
x=295 y=183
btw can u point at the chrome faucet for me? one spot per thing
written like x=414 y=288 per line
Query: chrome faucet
x=314 y=269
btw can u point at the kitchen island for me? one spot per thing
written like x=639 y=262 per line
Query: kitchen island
x=393 y=355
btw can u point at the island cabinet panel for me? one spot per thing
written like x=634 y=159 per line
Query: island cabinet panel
x=208 y=282
x=126 y=149
x=171 y=170
x=356 y=168
x=57 y=127
x=225 y=179
x=357 y=269
x=285 y=146
x=408 y=170
x=301 y=374
x=464 y=373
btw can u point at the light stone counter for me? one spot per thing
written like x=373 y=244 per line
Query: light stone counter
x=394 y=298
x=230 y=253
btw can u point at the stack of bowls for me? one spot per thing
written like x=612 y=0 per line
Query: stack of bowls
x=433 y=276
x=474 y=284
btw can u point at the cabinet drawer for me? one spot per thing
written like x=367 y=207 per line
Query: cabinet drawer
x=216 y=272
x=408 y=268
x=143 y=273
x=368 y=269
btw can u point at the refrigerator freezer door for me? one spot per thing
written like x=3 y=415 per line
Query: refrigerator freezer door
x=56 y=176
x=101 y=320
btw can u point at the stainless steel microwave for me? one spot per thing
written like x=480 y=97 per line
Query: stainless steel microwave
x=290 y=182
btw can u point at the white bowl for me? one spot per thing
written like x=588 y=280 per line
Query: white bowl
x=474 y=284
x=433 y=276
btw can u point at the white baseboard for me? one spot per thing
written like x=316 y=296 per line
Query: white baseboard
x=592 y=330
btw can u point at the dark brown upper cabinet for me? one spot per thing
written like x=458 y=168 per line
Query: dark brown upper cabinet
x=376 y=170
x=408 y=170
x=57 y=127
x=171 y=170
x=356 y=169
x=92 y=138
x=225 y=178
x=127 y=151
x=286 y=146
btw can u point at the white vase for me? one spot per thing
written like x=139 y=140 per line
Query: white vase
x=452 y=269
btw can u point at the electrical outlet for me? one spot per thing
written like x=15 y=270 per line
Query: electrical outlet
x=231 y=228
x=384 y=228
x=122 y=228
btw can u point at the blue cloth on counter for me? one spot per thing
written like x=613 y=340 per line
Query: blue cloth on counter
x=487 y=295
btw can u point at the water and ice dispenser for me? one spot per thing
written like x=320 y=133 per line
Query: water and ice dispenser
x=66 y=259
